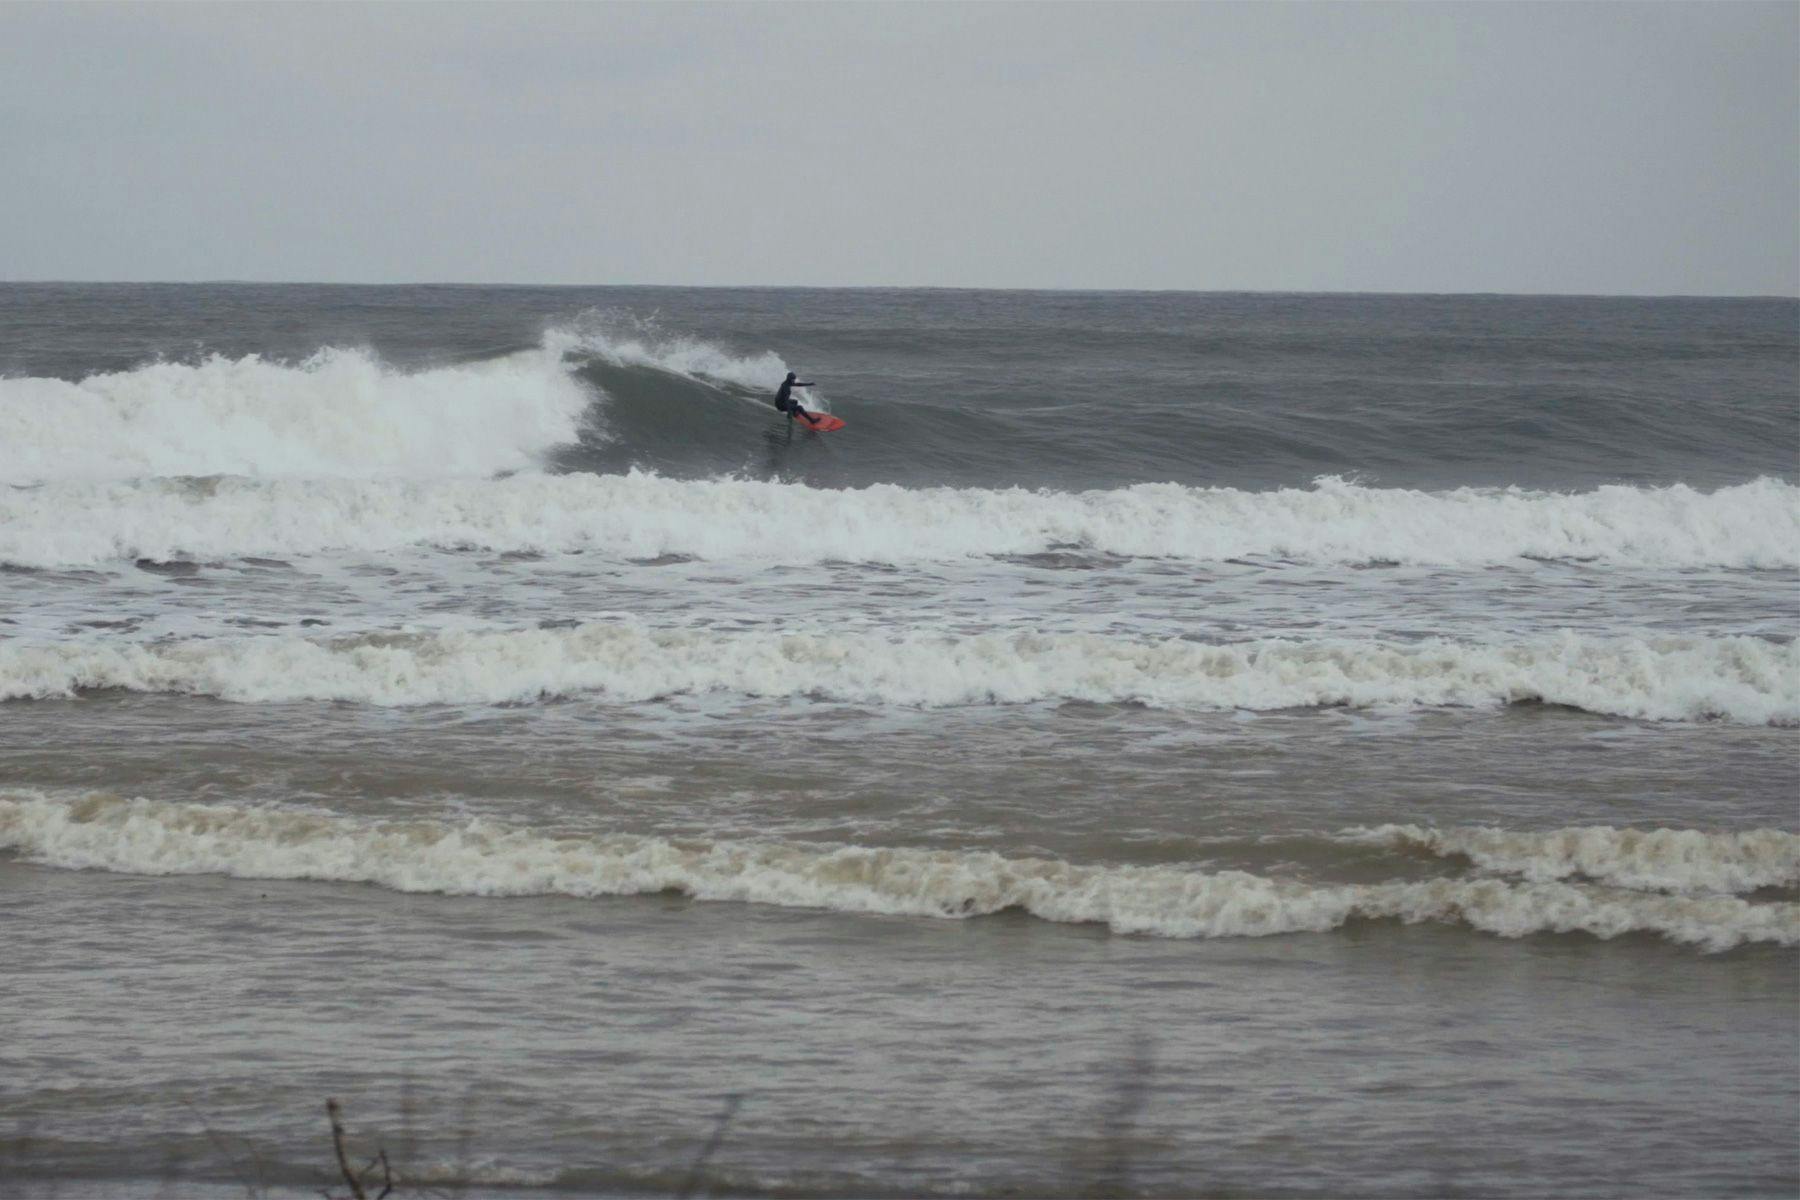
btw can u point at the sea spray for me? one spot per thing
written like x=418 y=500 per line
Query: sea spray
x=630 y=340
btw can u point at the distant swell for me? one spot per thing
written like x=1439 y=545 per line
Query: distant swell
x=1752 y=525
x=1739 y=679
x=485 y=859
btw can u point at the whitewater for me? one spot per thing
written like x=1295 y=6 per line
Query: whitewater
x=477 y=858
x=1739 y=679
x=337 y=413
x=1752 y=525
x=337 y=452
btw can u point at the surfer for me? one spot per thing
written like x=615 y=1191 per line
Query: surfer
x=787 y=404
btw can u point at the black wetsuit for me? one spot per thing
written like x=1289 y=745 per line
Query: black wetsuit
x=787 y=404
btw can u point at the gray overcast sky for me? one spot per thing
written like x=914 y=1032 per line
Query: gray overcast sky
x=1610 y=148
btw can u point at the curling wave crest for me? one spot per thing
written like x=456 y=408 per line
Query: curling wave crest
x=1752 y=525
x=628 y=340
x=99 y=831
x=1740 y=679
x=1668 y=860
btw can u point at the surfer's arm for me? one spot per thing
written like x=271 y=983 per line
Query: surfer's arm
x=797 y=383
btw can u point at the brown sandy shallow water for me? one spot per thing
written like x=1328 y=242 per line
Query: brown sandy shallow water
x=189 y=1026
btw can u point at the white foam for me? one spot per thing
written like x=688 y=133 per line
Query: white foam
x=627 y=340
x=640 y=516
x=1672 y=860
x=1667 y=678
x=339 y=413
x=98 y=831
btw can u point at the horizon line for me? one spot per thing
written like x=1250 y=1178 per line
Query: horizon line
x=886 y=287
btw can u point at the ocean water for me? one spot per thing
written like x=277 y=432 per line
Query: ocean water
x=1164 y=744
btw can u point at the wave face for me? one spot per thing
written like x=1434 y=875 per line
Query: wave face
x=338 y=413
x=485 y=859
x=1752 y=525
x=1739 y=679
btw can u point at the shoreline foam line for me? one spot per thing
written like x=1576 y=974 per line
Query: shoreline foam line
x=480 y=858
x=1665 y=860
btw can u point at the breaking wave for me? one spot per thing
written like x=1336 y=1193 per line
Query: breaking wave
x=1740 y=679
x=340 y=413
x=1751 y=525
x=99 y=831
x=1670 y=860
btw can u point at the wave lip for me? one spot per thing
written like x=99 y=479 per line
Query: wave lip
x=99 y=831
x=71 y=524
x=340 y=413
x=1667 y=860
x=627 y=340
x=1740 y=679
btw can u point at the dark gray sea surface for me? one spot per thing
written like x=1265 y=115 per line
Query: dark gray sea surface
x=1164 y=744
x=1036 y=389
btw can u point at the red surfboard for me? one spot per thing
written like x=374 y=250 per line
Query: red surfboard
x=821 y=422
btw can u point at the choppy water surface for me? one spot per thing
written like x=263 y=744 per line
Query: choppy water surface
x=1185 y=744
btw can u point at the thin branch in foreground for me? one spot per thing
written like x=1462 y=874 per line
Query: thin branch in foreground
x=718 y=1135
x=337 y=1142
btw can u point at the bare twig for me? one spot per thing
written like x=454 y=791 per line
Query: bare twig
x=465 y=1134
x=337 y=1143
x=408 y=1149
x=706 y=1152
x=172 y=1163
x=387 y=1176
